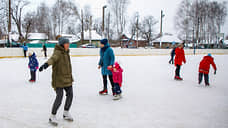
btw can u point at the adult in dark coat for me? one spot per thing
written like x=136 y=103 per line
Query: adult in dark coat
x=45 y=50
x=172 y=56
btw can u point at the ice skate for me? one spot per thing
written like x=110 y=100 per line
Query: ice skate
x=53 y=120
x=67 y=116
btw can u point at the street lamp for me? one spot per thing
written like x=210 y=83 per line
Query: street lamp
x=105 y=6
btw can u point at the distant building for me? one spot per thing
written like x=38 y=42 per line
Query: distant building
x=167 y=41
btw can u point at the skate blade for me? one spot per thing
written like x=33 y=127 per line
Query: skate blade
x=103 y=94
x=70 y=120
x=53 y=123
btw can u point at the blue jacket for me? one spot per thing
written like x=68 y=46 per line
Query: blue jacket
x=25 y=48
x=107 y=58
x=33 y=63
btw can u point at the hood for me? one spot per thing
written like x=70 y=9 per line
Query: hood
x=60 y=48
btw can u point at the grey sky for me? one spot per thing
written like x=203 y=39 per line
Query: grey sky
x=144 y=7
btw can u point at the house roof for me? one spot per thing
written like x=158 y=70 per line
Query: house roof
x=94 y=35
x=37 y=36
x=168 y=38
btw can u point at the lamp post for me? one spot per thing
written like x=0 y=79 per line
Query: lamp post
x=103 y=19
x=9 y=24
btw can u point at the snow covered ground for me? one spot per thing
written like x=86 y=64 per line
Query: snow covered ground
x=151 y=98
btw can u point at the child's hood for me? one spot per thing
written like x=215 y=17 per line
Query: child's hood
x=117 y=66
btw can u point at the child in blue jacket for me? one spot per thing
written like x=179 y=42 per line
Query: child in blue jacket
x=33 y=66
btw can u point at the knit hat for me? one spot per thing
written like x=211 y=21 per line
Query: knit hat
x=104 y=41
x=209 y=54
x=63 y=41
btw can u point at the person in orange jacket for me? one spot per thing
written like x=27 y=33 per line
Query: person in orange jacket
x=204 y=68
x=179 y=59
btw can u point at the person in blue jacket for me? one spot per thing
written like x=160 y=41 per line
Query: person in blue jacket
x=172 y=55
x=107 y=59
x=25 y=49
x=33 y=66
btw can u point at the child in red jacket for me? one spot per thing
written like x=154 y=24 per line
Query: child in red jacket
x=204 y=68
x=179 y=59
x=117 y=79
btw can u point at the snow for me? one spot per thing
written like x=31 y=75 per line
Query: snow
x=151 y=98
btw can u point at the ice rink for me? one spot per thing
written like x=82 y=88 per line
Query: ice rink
x=151 y=97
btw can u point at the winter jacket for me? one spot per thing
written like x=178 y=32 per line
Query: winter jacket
x=180 y=56
x=173 y=52
x=61 y=68
x=33 y=63
x=117 y=75
x=25 y=48
x=107 y=58
x=204 y=66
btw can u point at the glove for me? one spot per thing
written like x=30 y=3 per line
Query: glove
x=215 y=72
x=37 y=67
x=44 y=66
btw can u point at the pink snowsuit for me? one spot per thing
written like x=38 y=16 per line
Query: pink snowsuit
x=117 y=76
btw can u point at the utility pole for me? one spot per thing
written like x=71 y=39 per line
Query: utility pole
x=137 y=31
x=9 y=24
x=103 y=22
x=90 y=27
x=161 y=33
x=59 y=2
x=108 y=25
x=82 y=32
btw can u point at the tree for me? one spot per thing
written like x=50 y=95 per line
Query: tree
x=118 y=11
x=3 y=17
x=134 y=25
x=28 y=24
x=17 y=10
x=147 y=28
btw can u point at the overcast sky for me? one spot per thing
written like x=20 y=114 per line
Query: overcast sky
x=144 y=7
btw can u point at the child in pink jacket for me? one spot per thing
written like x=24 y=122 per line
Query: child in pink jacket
x=117 y=79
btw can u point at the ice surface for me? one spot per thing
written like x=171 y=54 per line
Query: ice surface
x=151 y=98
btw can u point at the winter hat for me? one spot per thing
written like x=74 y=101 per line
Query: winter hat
x=209 y=54
x=104 y=41
x=63 y=41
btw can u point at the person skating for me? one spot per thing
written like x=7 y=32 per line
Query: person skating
x=33 y=66
x=204 y=68
x=172 y=56
x=179 y=59
x=25 y=49
x=117 y=79
x=107 y=59
x=45 y=50
x=61 y=79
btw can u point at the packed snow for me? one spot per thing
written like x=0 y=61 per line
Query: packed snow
x=151 y=97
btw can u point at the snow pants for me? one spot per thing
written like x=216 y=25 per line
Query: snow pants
x=117 y=89
x=59 y=97
x=206 y=78
x=33 y=75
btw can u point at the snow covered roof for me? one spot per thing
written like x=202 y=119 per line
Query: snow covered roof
x=3 y=41
x=37 y=36
x=168 y=38
x=72 y=38
x=94 y=35
x=226 y=42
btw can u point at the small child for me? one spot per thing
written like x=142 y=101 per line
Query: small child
x=33 y=66
x=204 y=68
x=117 y=79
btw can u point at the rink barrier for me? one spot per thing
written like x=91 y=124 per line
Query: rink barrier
x=84 y=52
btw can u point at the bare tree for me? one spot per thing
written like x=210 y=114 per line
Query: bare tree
x=17 y=9
x=134 y=25
x=147 y=28
x=28 y=24
x=118 y=11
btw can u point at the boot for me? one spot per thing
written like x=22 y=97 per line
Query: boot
x=103 y=92
x=67 y=116
x=53 y=120
x=178 y=78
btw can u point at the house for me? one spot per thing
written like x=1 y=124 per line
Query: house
x=125 y=42
x=93 y=36
x=167 y=41
x=34 y=38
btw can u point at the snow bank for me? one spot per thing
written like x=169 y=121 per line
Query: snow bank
x=18 y=52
